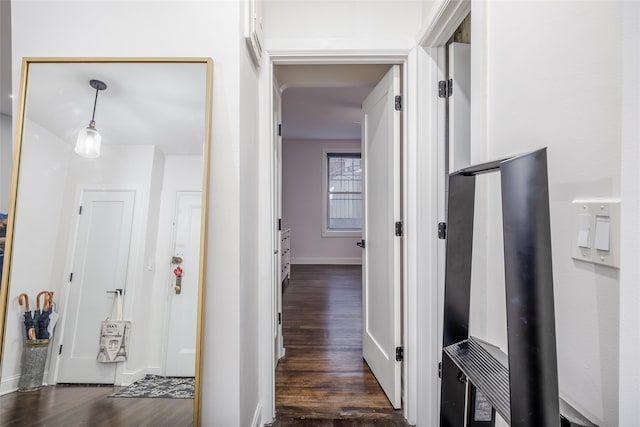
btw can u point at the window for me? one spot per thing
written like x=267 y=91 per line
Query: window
x=343 y=194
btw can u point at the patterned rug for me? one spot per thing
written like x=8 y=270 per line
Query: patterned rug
x=158 y=386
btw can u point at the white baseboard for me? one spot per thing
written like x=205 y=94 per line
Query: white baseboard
x=257 y=415
x=326 y=260
x=9 y=384
x=129 y=378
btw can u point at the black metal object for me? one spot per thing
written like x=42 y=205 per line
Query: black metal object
x=524 y=388
x=442 y=230
x=399 y=354
x=399 y=229
x=360 y=243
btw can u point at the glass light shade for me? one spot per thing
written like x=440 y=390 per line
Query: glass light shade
x=88 y=143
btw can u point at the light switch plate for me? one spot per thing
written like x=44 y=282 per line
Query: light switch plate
x=593 y=209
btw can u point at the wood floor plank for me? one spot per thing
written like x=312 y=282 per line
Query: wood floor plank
x=63 y=406
x=323 y=379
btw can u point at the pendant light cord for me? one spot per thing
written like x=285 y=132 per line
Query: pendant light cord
x=95 y=102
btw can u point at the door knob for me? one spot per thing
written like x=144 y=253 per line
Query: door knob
x=360 y=243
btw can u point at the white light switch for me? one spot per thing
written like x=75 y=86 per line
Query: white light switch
x=596 y=235
x=584 y=228
x=603 y=231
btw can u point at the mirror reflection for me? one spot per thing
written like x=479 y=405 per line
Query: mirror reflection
x=106 y=246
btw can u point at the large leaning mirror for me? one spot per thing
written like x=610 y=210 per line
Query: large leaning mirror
x=111 y=237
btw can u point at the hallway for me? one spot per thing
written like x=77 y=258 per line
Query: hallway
x=323 y=378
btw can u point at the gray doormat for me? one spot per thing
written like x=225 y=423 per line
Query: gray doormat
x=159 y=386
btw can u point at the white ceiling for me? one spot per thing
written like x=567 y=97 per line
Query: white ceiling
x=322 y=113
x=161 y=104
x=324 y=101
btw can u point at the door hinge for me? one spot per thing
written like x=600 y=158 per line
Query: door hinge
x=279 y=318
x=398 y=103
x=80 y=210
x=445 y=88
x=399 y=354
x=60 y=350
x=279 y=224
x=442 y=230
x=70 y=277
x=399 y=229
x=439 y=369
x=280 y=129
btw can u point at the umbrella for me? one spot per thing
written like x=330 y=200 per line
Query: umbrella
x=43 y=316
x=53 y=315
x=23 y=299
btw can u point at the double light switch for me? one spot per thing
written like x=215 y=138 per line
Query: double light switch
x=596 y=237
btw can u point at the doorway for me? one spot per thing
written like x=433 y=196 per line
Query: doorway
x=320 y=248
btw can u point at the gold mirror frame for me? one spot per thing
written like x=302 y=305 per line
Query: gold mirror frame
x=6 y=271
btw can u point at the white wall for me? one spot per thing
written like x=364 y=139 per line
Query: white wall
x=37 y=238
x=302 y=196
x=630 y=192
x=340 y=25
x=6 y=154
x=553 y=78
x=249 y=213
x=161 y=29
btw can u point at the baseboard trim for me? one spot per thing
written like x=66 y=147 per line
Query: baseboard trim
x=129 y=378
x=326 y=260
x=257 y=415
x=9 y=384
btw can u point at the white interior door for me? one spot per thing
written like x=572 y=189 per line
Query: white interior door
x=101 y=256
x=460 y=106
x=381 y=332
x=183 y=305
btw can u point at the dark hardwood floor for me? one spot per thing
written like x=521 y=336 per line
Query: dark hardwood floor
x=323 y=380
x=80 y=406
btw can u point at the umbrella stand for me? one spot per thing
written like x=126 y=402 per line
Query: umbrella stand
x=34 y=360
x=36 y=350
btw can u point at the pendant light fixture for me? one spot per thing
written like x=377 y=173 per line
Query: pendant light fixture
x=89 y=140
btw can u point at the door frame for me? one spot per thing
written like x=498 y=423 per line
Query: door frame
x=409 y=164
x=447 y=16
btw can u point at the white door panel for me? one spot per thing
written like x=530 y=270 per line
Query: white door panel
x=381 y=260
x=183 y=306
x=101 y=257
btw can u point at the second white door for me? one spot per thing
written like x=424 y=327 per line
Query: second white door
x=183 y=304
x=381 y=332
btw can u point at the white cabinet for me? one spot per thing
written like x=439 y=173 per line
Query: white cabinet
x=285 y=250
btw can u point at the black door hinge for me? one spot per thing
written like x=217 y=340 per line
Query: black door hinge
x=280 y=129
x=442 y=230
x=279 y=318
x=80 y=210
x=399 y=228
x=398 y=103
x=439 y=369
x=71 y=277
x=445 y=88
x=399 y=354
x=279 y=224
x=60 y=350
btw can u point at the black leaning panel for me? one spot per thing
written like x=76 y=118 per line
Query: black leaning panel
x=453 y=397
x=457 y=282
x=533 y=372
